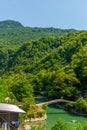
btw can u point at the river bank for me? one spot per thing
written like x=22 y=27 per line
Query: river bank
x=37 y=119
x=54 y=113
x=72 y=110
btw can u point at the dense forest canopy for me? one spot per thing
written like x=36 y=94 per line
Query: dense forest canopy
x=47 y=61
x=14 y=33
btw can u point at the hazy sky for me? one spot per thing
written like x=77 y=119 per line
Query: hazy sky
x=46 y=13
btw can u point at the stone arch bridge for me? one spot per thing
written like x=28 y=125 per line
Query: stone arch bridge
x=55 y=101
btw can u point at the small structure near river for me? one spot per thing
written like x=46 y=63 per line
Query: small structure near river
x=9 y=116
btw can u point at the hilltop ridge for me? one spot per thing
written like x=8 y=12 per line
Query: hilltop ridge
x=10 y=24
x=14 y=33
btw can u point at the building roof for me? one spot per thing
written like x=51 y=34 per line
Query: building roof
x=10 y=108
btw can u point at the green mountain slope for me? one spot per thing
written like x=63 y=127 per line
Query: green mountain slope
x=51 y=65
x=10 y=24
x=41 y=50
x=54 y=66
x=14 y=33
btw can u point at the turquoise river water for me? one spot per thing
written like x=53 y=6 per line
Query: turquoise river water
x=54 y=114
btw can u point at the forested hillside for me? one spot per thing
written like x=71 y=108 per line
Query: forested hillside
x=14 y=33
x=52 y=66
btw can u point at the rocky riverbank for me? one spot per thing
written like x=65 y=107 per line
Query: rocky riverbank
x=37 y=119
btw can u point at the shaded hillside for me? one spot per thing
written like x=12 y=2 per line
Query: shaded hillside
x=49 y=50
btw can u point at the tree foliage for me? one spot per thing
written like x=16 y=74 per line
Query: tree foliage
x=53 y=65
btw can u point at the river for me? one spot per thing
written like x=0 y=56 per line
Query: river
x=54 y=114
